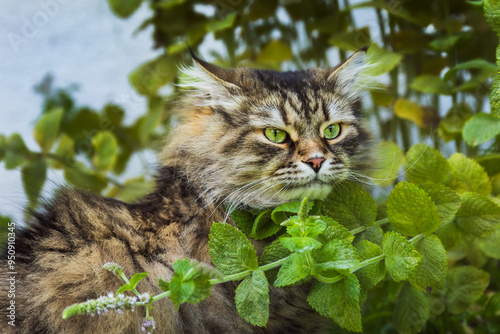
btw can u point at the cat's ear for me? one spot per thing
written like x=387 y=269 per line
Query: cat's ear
x=229 y=78
x=347 y=76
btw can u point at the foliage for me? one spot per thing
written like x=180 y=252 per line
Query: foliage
x=410 y=258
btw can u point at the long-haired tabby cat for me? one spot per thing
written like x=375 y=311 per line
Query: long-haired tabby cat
x=245 y=138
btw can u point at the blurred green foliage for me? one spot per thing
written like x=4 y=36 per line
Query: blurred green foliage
x=430 y=54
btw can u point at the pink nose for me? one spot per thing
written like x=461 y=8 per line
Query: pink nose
x=315 y=163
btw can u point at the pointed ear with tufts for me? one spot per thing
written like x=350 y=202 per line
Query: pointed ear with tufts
x=346 y=77
x=229 y=78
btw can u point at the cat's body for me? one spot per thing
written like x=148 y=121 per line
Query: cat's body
x=217 y=156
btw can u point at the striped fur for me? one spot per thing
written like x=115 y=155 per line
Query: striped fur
x=217 y=156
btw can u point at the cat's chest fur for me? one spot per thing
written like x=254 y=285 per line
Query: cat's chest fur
x=61 y=259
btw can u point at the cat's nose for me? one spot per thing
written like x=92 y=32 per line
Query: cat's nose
x=315 y=163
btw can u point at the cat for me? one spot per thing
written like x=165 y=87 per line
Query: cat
x=244 y=138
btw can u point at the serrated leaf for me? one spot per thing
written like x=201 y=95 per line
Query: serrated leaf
x=295 y=268
x=33 y=176
x=370 y=275
x=343 y=299
x=447 y=201
x=318 y=298
x=164 y=285
x=489 y=244
x=134 y=280
x=478 y=216
x=389 y=159
x=495 y=96
x=464 y=285
x=230 y=250
x=263 y=226
x=334 y=230
x=411 y=311
x=384 y=60
x=105 y=150
x=311 y=227
x=252 y=299
x=300 y=244
x=273 y=252
x=188 y=283
x=481 y=128
x=492 y=14
x=468 y=175
x=425 y=164
x=47 y=129
x=449 y=235
x=244 y=220
x=411 y=211
x=431 y=271
x=16 y=152
x=350 y=205
x=336 y=254
x=401 y=258
x=373 y=234
x=124 y=8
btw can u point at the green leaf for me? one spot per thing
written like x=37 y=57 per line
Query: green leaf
x=16 y=152
x=164 y=285
x=279 y=213
x=243 y=219
x=450 y=127
x=84 y=178
x=388 y=163
x=252 y=299
x=425 y=164
x=47 y=129
x=464 y=285
x=318 y=298
x=263 y=226
x=300 y=244
x=411 y=311
x=495 y=96
x=468 y=175
x=343 y=300
x=446 y=200
x=411 y=211
x=334 y=230
x=136 y=278
x=373 y=234
x=65 y=149
x=481 y=128
x=370 y=275
x=3 y=144
x=431 y=84
x=151 y=76
x=124 y=8
x=273 y=252
x=105 y=150
x=311 y=227
x=351 y=205
x=295 y=268
x=401 y=258
x=336 y=254
x=221 y=24
x=351 y=40
x=489 y=245
x=431 y=271
x=33 y=175
x=477 y=63
x=188 y=284
x=478 y=216
x=132 y=190
x=230 y=250
x=412 y=111
x=449 y=235
x=492 y=14
x=384 y=60
x=275 y=51
x=148 y=123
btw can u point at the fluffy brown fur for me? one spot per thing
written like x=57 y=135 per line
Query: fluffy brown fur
x=218 y=155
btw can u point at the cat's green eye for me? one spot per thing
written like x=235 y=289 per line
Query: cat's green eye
x=332 y=131
x=275 y=135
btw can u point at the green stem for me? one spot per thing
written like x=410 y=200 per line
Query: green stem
x=134 y=290
x=363 y=228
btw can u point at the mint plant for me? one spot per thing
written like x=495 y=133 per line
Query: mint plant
x=346 y=247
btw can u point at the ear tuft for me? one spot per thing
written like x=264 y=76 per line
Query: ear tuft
x=227 y=77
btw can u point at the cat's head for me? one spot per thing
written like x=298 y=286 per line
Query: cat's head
x=261 y=138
